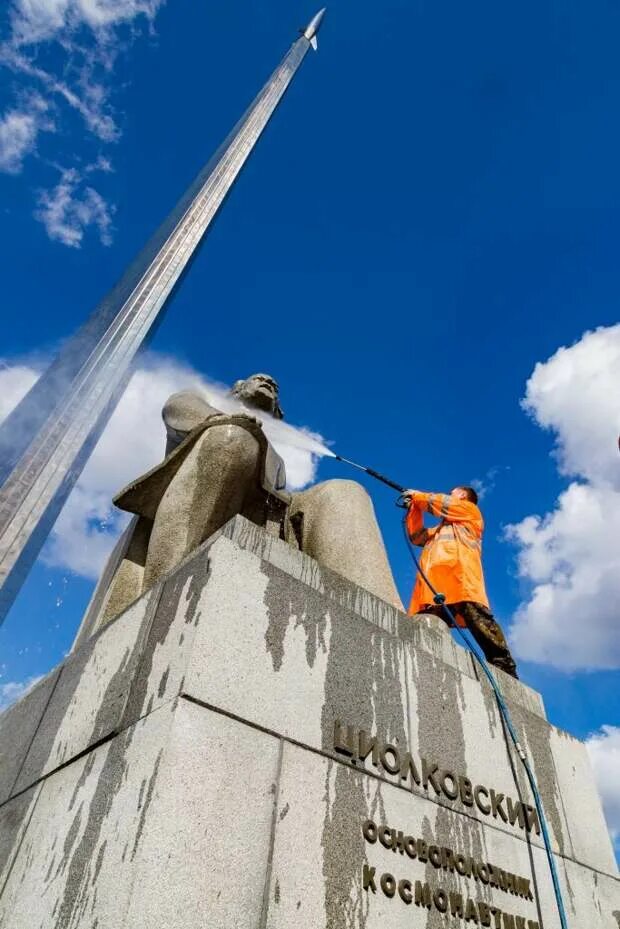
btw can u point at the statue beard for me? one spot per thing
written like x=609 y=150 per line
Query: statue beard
x=266 y=404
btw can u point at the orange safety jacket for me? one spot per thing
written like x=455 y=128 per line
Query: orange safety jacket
x=452 y=553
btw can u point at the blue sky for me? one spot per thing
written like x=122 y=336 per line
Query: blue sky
x=432 y=214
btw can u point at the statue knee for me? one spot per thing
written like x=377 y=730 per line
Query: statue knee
x=336 y=501
x=339 y=491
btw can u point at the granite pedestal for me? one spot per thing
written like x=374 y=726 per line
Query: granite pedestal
x=258 y=743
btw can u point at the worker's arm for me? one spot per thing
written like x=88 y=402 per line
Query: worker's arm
x=415 y=526
x=443 y=506
x=420 y=537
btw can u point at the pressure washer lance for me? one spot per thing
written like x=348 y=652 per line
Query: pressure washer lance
x=373 y=473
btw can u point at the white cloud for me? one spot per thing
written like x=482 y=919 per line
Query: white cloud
x=13 y=691
x=575 y=394
x=35 y=21
x=18 y=134
x=62 y=53
x=85 y=37
x=100 y=164
x=69 y=208
x=89 y=100
x=604 y=750
x=19 y=129
x=133 y=442
x=569 y=558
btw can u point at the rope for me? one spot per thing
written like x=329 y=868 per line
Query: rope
x=473 y=647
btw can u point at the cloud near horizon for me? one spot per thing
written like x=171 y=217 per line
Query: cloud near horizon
x=12 y=691
x=569 y=558
x=132 y=442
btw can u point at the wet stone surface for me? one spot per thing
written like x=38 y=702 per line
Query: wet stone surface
x=89 y=699
x=147 y=830
x=324 y=663
x=18 y=726
x=351 y=869
x=212 y=756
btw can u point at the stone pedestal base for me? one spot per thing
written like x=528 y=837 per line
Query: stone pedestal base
x=257 y=743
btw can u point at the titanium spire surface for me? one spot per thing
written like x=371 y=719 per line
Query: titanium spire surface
x=46 y=440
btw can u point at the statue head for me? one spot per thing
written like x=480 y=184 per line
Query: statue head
x=259 y=391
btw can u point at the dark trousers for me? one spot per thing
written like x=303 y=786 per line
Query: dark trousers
x=486 y=631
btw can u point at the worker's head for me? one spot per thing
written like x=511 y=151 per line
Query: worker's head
x=465 y=493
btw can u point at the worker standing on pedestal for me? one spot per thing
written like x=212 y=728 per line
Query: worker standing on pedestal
x=452 y=561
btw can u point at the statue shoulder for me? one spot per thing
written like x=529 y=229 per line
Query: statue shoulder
x=185 y=410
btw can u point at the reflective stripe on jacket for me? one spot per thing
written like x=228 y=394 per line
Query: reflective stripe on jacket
x=452 y=553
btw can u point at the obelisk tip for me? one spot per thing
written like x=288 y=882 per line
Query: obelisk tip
x=311 y=30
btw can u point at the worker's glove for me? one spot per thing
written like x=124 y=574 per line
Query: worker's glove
x=404 y=501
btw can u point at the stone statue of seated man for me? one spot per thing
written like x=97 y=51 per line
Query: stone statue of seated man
x=218 y=465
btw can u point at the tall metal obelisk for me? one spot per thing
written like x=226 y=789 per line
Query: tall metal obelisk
x=45 y=441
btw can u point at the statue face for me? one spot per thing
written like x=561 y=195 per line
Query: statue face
x=259 y=391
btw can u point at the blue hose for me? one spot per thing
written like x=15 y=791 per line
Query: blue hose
x=473 y=647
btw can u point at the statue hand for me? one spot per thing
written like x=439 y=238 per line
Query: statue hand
x=225 y=416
